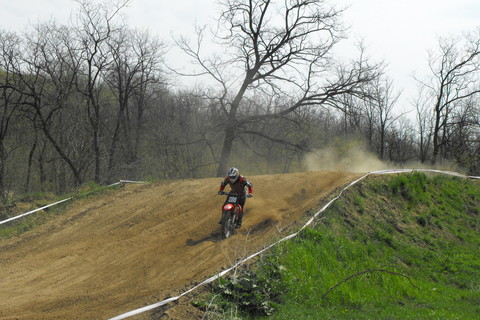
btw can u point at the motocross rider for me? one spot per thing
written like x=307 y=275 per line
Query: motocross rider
x=238 y=184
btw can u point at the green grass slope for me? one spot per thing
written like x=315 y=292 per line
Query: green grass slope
x=393 y=247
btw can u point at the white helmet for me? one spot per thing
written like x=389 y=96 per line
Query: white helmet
x=233 y=174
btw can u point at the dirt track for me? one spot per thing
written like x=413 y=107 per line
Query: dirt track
x=115 y=253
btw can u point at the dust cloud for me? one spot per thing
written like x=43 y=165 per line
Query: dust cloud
x=354 y=158
x=348 y=158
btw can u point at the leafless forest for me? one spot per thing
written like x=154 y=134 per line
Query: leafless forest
x=94 y=100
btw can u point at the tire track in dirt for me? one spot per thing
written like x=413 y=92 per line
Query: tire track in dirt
x=121 y=251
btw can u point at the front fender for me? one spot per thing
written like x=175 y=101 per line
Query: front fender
x=228 y=207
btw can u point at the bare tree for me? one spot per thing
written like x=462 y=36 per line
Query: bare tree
x=94 y=27
x=354 y=113
x=400 y=141
x=135 y=67
x=455 y=77
x=47 y=73
x=10 y=99
x=463 y=138
x=280 y=49
x=424 y=119
x=383 y=103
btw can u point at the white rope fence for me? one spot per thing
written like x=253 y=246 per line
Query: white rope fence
x=33 y=211
x=121 y=182
x=310 y=221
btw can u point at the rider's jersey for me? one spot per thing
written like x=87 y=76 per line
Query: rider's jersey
x=238 y=187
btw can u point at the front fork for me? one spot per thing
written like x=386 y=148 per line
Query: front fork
x=237 y=214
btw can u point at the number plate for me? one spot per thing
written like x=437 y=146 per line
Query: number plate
x=232 y=199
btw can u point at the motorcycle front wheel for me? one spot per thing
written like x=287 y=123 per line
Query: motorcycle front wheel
x=228 y=224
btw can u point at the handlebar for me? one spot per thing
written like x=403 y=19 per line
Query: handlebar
x=248 y=195
x=222 y=193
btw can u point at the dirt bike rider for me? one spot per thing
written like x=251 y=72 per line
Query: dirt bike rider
x=238 y=184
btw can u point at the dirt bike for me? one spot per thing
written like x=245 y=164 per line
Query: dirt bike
x=231 y=212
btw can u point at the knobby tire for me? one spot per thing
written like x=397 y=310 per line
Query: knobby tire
x=227 y=225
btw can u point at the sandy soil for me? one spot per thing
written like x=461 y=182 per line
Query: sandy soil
x=115 y=253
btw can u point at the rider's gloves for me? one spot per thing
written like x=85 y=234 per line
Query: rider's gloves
x=249 y=195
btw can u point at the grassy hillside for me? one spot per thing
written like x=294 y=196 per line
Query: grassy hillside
x=393 y=247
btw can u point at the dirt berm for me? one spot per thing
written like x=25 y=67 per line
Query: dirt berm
x=114 y=253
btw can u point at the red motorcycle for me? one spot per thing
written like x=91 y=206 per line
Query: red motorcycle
x=231 y=212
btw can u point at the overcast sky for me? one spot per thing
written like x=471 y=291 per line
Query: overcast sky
x=397 y=31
